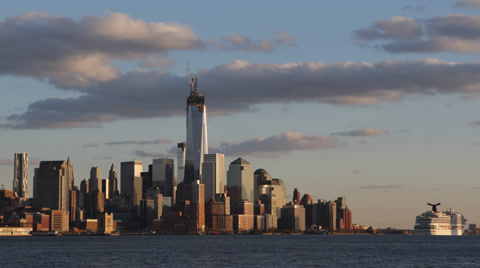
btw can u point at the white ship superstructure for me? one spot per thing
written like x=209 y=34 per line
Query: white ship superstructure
x=447 y=222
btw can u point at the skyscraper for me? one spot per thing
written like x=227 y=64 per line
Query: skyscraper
x=213 y=175
x=52 y=181
x=197 y=142
x=181 y=161
x=240 y=181
x=112 y=180
x=129 y=172
x=20 y=179
x=162 y=175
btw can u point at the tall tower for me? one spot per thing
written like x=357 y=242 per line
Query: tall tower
x=197 y=142
x=213 y=175
x=240 y=181
x=20 y=179
x=112 y=179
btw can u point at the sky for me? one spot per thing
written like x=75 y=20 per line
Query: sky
x=374 y=100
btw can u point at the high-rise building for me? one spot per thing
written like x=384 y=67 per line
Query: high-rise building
x=52 y=184
x=113 y=182
x=95 y=182
x=197 y=142
x=213 y=175
x=271 y=192
x=240 y=181
x=162 y=175
x=129 y=170
x=20 y=173
x=181 y=146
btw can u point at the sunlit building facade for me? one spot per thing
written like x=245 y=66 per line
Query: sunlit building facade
x=197 y=142
x=20 y=179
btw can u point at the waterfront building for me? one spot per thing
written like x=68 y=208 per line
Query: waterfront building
x=105 y=223
x=20 y=175
x=293 y=218
x=197 y=141
x=213 y=175
x=240 y=181
x=59 y=220
x=162 y=175
x=271 y=192
x=128 y=172
x=52 y=183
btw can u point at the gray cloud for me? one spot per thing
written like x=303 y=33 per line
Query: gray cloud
x=90 y=145
x=73 y=53
x=245 y=43
x=452 y=33
x=278 y=145
x=149 y=94
x=143 y=154
x=382 y=187
x=31 y=161
x=396 y=28
x=158 y=141
x=365 y=132
x=6 y=162
x=474 y=123
x=417 y=8
x=468 y=3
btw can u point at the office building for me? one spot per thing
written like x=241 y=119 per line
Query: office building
x=52 y=184
x=95 y=182
x=197 y=141
x=162 y=175
x=128 y=171
x=213 y=175
x=293 y=218
x=181 y=146
x=20 y=175
x=240 y=181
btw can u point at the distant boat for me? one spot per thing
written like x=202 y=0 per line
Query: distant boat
x=434 y=222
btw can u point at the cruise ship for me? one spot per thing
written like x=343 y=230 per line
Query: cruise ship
x=433 y=222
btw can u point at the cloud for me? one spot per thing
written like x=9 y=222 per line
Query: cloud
x=452 y=33
x=396 y=28
x=278 y=145
x=76 y=53
x=143 y=154
x=31 y=161
x=474 y=123
x=150 y=94
x=90 y=145
x=158 y=141
x=245 y=43
x=468 y=3
x=364 y=132
x=6 y=162
x=417 y=8
x=382 y=187
x=155 y=62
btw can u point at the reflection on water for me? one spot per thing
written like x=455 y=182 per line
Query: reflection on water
x=241 y=250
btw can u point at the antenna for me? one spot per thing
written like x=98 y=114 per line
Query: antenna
x=190 y=77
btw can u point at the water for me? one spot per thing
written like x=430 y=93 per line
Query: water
x=241 y=251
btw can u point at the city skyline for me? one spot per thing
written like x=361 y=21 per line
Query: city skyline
x=376 y=104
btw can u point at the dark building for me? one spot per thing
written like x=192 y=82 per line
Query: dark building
x=53 y=183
